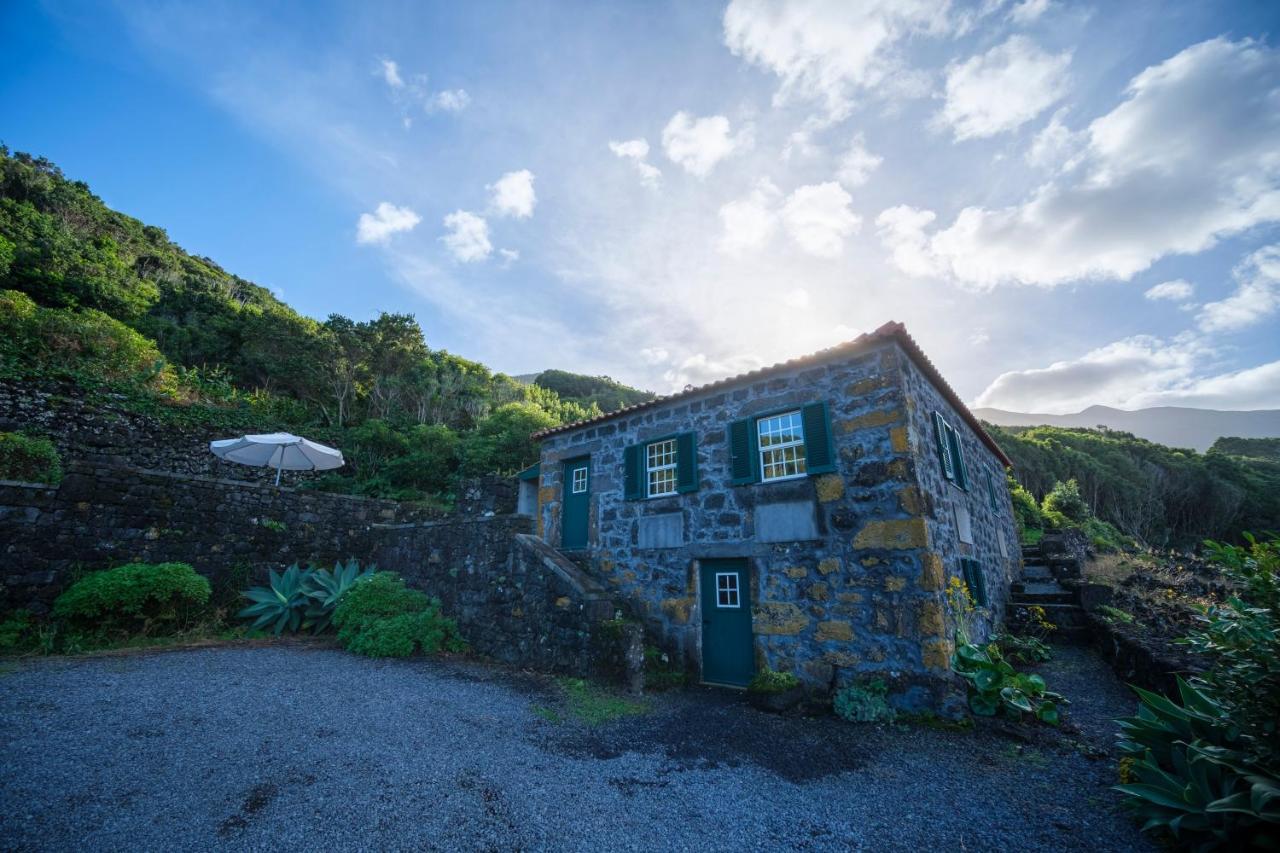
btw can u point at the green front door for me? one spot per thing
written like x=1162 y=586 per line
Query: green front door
x=577 y=503
x=727 y=654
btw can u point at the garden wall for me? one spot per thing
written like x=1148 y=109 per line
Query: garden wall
x=515 y=599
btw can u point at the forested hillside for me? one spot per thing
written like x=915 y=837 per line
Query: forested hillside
x=1160 y=495
x=93 y=296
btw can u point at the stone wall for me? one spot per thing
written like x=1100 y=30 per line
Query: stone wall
x=103 y=515
x=515 y=599
x=860 y=592
x=962 y=523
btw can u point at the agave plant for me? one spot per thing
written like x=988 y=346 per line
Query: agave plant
x=283 y=602
x=327 y=588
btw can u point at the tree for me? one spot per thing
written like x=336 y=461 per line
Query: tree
x=501 y=443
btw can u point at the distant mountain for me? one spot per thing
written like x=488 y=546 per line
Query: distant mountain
x=1172 y=426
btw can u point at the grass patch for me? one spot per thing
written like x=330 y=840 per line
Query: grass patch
x=1032 y=535
x=589 y=703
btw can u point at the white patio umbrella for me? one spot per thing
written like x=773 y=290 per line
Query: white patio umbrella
x=280 y=450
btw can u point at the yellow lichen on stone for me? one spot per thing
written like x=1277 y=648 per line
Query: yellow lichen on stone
x=870 y=561
x=898 y=469
x=563 y=602
x=796 y=571
x=893 y=534
x=895 y=583
x=835 y=630
x=898 y=439
x=517 y=612
x=830 y=487
x=866 y=386
x=930 y=621
x=849 y=597
x=629 y=576
x=819 y=592
x=935 y=654
x=870 y=419
x=829 y=566
x=842 y=658
x=778 y=617
x=677 y=609
x=909 y=500
x=932 y=576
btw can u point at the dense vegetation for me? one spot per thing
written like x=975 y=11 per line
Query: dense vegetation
x=93 y=296
x=1156 y=494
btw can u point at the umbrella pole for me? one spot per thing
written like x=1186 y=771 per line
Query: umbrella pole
x=279 y=468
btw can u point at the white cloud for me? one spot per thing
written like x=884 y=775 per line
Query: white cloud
x=1003 y=88
x=697 y=144
x=699 y=369
x=1056 y=147
x=829 y=51
x=468 y=237
x=1116 y=374
x=391 y=73
x=448 y=100
x=1028 y=11
x=1257 y=294
x=818 y=218
x=902 y=231
x=654 y=355
x=509 y=256
x=857 y=164
x=797 y=298
x=637 y=151
x=386 y=219
x=513 y=195
x=1136 y=373
x=1174 y=291
x=1192 y=154
x=748 y=223
x=979 y=338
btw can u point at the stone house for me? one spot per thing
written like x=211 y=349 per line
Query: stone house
x=808 y=517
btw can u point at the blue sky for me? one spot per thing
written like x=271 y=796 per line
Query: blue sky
x=1066 y=203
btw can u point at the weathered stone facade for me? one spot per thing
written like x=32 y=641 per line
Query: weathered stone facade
x=848 y=569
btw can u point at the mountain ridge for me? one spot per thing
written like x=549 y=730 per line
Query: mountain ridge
x=1172 y=426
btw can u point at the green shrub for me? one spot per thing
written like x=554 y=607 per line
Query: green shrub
x=1064 y=501
x=1025 y=509
x=1023 y=649
x=381 y=617
x=995 y=685
x=138 y=598
x=660 y=673
x=30 y=458
x=865 y=702
x=18 y=632
x=1115 y=614
x=769 y=681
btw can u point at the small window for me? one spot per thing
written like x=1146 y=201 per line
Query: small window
x=660 y=465
x=579 y=480
x=781 y=443
x=727 y=590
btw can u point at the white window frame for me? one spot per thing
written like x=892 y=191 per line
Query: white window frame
x=732 y=592
x=578 y=480
x=801 y=460
x=650 y=468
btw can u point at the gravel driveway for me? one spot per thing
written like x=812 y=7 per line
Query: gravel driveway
x=312 y=748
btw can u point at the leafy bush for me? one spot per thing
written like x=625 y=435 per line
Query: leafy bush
x=1208 y=764
x=1023 y=649
x=1064 y=501
x=381 y=617
x=1115 y=614
x=1025 y=509
x=994 y=685
x=18 y=632
x=864 y=703
x=138 y=598
x=769 y=681
x=29 y=458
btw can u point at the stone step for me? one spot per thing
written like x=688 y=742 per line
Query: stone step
x=1062 y=615
x=1037 y=574
x=1027 y=599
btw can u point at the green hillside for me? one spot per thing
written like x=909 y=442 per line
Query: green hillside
x=1160 y=495
x=94 y=296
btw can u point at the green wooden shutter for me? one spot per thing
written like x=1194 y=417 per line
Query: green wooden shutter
x=991 y=492
x=819 y=452
x=957 y=457
x=944 y=448
x=743 y=451
x=686 y=462
x=633 y=468
x=975 y=580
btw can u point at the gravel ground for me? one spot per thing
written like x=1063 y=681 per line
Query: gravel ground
x=259 y=748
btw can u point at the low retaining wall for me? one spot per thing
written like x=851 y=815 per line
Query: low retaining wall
x=515 y=599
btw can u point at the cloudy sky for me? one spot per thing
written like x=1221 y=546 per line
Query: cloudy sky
x=1066 y=203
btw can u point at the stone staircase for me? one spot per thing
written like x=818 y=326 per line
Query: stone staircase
x=1039 y=587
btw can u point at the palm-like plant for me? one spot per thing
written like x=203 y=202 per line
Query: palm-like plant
x=328 y=587
x=281 y=603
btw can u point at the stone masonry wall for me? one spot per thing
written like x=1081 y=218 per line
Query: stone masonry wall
x=954 y=515
x=515 y=599
x=861 y=595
